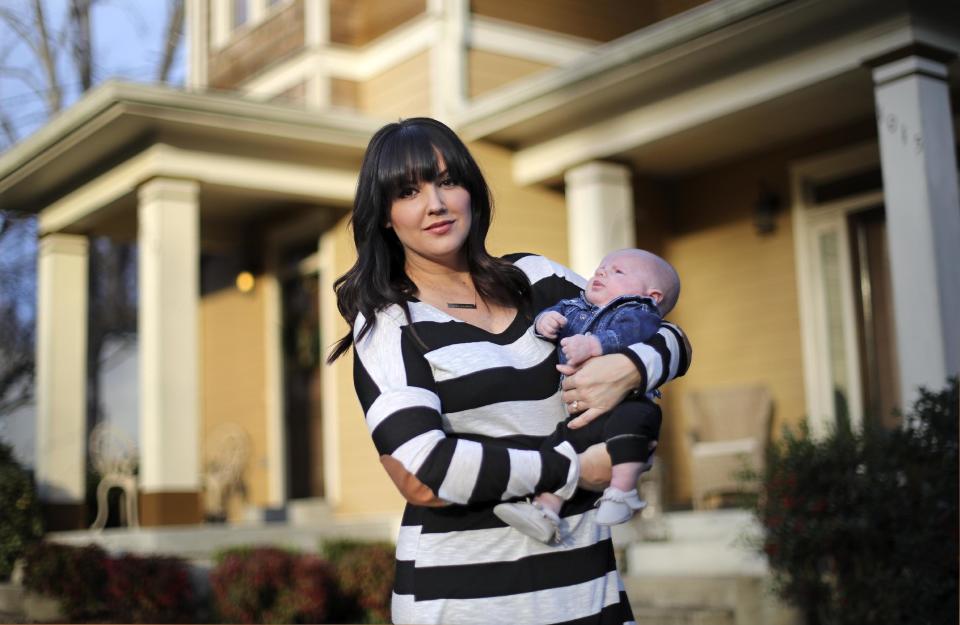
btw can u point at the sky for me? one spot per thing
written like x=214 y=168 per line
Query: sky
x=128 y=43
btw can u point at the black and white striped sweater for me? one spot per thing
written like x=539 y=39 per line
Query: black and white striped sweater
x=464 y=410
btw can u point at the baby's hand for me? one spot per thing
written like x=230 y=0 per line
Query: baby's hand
x=580 y=347
x=549 y=323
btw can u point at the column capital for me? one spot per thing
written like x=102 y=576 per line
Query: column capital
x=169 y=189
x=916 y=58
x=62 y=243
x=594 y=172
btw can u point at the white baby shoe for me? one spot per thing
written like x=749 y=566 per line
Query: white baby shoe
x=617 y=506
x=530 y=518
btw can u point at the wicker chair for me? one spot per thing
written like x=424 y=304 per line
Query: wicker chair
x=727 y=431
x=114 y=456
x=227 y=452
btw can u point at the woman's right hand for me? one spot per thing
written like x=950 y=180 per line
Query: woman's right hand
x=595 y=468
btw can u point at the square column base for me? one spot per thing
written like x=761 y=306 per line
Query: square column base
x=170 y=508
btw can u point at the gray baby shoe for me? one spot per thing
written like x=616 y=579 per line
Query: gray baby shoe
x=617 y=506
x=531 y=519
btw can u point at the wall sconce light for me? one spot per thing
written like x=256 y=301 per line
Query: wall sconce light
x=245 y=281
x=765 y=210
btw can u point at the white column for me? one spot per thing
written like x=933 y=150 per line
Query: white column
x=197 y=19
x=923 y=218
x=600 y=213
x=61 y=389
x=169 y=294
x=448 y=59
x=316 y=25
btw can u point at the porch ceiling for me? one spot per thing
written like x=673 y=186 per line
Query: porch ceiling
x=83 y=168
x=670 y=104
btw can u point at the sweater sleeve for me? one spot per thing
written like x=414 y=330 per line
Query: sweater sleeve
x=662 y=358
x=396 y=389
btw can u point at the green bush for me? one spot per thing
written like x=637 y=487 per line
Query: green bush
x=862 y=527
x=20 y=522
x=269 y=585
x=77 y=576
x=365 y=573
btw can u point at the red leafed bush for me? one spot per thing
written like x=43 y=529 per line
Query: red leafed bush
x=269 y=585
x=149 y=590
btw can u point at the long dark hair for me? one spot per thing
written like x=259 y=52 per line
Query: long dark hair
x=400 y=155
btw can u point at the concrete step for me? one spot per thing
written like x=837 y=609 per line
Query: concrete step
x=740 y=599
x=202 y=542
x=718 y=543
x=683 y=616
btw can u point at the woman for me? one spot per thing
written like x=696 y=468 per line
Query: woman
x=458 y=393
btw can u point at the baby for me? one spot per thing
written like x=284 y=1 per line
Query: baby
x=623 y=304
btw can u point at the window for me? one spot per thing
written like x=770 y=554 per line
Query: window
x=849 y=346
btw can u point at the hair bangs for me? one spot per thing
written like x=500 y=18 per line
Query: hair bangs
x=409 y=157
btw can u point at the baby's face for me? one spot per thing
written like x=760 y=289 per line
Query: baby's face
x=620 y=273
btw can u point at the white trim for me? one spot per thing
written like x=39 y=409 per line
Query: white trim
x=316 y=23
x=387 y=51
x=197 y=43
x=907 y=66
x=323 y=185
x=448 y=62
x=533 y=44
x=713 y=99
x=324 y=61
x=221 y=23
x=291 y=73
x=808 y=222
x=330 y=401
x=273 y=378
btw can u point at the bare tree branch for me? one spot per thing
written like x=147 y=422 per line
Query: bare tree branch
x=48 y=59
x=172 y=38
x=81 y=44
x=10 y=133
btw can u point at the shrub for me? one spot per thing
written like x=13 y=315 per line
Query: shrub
x=861 y=527
x=77 y=576
x=269 y=585
x=20 y=523
x=365 y=573
x=149 y=590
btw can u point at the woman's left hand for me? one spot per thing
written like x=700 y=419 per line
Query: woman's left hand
x=597 y=386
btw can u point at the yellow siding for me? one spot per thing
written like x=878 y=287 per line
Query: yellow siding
x=401 y=91
x=525 y=219
x=233 y=376
x=488 y=71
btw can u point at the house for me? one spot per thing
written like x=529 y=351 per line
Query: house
x=794 y=159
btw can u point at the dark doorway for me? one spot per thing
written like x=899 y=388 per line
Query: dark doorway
x=875 y=324
x=301 y=373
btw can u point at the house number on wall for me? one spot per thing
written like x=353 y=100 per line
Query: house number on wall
x=892 y=125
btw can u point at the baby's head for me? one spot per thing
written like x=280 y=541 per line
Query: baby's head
x=634 y=272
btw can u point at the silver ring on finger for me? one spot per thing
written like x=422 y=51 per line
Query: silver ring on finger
x=574 y=405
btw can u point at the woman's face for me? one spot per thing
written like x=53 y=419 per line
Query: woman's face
x=432 y=219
